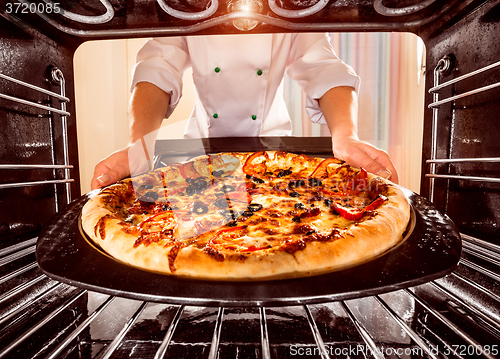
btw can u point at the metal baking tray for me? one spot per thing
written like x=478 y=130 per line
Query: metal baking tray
x=431 y=249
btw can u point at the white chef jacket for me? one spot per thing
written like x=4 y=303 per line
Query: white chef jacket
x=237 y=79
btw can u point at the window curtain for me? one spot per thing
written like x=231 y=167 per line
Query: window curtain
x=390 y=99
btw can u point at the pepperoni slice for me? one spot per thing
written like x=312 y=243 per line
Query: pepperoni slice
x=187 y=170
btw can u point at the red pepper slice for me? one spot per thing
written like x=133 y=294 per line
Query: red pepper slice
x=351 y=214
x=255 y=248
x=354 y=214
x=377 y=202
x=221 y=232
x=320 y=171
x=253 y=166
x=359 y=183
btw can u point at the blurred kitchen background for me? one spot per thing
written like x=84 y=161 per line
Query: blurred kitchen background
x=391 y=67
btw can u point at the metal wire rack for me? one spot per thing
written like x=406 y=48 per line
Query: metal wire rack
x=443 y=66
x=450 y=317
x=66 y=167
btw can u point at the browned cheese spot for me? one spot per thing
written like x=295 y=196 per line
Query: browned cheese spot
x=214 y=253
x=292 y=246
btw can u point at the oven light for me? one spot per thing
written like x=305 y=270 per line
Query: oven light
x=248 y=6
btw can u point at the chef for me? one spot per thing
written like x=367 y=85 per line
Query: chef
x=238 y=83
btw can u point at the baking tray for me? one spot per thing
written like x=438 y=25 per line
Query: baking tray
x=431 y=249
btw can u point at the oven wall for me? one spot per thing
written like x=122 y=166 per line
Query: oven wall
x=468 y=127
x=29 y=135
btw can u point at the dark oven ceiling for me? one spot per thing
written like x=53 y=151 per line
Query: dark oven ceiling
x=93 y=19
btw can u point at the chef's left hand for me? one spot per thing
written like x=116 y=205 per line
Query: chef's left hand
x=358 y=153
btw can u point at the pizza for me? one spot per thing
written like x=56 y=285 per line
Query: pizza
x=248 y=216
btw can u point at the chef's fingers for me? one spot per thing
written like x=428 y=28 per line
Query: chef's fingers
x=111 y=169
x=362 y=154
x=380 y=163
x=113 y=175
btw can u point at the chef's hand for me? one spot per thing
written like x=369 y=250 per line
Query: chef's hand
x=358 y=153
x=147 y=108
x=340 y=108
x=133 y=160
x=111 y=169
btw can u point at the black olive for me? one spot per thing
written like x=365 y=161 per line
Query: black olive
x=247 y=213
x=294 y=194
x=221 y=203
x=149 y=197
x=232 y=224
x=283 y=173
x=310 y=232
x=299 y=206
x=296 y=219
x=254 y=207
x=327 y=202
x=166 y=207
x=146 y=186
x=152 y=194
x=296 y=184
x=315 y=198
x=314 y=182
x=218 y=173
x=200 y=208
x=227 y=188
x=257 y=180
x=228 y=214
x=200 y=184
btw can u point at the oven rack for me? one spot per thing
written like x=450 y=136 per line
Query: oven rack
x=462 y=307
x=205 y=20
x=58 y=78
x=445 y=66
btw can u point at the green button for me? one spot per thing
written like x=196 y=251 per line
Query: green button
x=215 y=115
x=254 y=117
x=217 y=69
x=259 y=72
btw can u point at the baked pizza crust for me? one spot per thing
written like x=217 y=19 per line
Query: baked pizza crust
x=362 y=242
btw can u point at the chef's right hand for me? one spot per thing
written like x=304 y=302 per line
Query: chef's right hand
x=111 y=169
x=363 y=154
x=132 y=160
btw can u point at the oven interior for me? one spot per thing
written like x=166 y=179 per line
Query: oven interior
x=453 y=317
